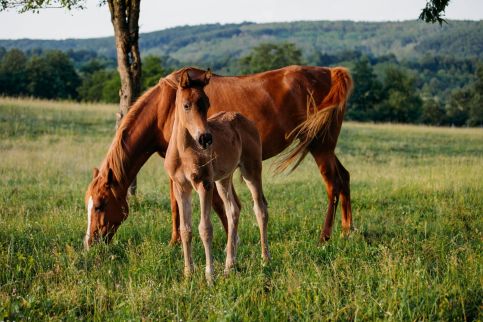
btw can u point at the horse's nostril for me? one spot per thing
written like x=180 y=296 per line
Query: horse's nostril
x=209 y=139
x=205 y=140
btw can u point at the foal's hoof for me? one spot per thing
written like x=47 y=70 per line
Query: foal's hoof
x=188 y=272
x=210 y=279
x=228 y=270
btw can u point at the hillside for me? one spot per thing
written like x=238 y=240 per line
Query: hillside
x=217 y=44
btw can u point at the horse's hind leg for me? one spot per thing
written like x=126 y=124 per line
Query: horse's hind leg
x=326 y=162
x=253 y=178
x=175 y=237
x=345 y=197
x=232 y=213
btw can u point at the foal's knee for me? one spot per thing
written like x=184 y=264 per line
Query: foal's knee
x=206 y=231
x=186 y=233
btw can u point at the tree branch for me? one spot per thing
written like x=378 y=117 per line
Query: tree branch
x=35 y=5
x=434 y=11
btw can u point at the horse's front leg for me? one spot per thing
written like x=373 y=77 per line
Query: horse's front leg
x=217 y=206
x=183 y=197
x=205 y=192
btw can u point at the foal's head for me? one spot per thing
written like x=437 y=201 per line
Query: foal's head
x=105 y=211
x=192 y=107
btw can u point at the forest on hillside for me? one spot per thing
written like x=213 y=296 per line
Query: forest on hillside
x=405 y=72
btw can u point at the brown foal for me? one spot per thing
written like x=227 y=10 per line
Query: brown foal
x=203 y=152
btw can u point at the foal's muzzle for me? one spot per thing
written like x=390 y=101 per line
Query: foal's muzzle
x=205 y=140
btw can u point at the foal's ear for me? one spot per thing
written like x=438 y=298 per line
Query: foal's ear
x=95 y=173
x=110 y=178
x=185 y=80
x=207 y=76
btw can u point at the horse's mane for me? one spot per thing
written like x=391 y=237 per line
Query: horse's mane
x=118 y=157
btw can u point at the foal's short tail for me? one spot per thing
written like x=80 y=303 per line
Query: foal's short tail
x=320 y=119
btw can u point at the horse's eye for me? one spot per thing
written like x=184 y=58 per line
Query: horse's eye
x=187 y=106
x=101 y=206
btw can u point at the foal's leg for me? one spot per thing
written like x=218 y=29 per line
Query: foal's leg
x=217 y=205
x=253 y=178
x=183 y=197
x=232 y=213
x=345 y=197
x=327 y=165
x=206 y=229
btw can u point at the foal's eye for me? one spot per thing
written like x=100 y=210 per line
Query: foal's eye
x=187 y=106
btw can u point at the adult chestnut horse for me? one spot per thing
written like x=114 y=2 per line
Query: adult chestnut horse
x=300 y=103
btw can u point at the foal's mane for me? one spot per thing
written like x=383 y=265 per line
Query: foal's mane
x=172 y=79
x=118 y=157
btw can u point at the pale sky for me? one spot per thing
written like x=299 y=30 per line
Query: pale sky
x=160 y=14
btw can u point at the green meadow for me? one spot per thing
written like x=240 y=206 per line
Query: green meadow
x=416 y=253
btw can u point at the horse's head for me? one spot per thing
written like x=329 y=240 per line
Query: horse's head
x=105 y=211
x=192 y=107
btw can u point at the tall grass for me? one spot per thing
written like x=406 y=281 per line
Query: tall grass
x=416 y=254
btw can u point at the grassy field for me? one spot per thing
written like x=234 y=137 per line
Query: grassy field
x=416 y=255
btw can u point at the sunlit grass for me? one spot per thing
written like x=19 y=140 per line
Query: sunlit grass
x=416 y=255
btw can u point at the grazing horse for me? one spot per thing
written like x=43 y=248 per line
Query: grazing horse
x=204 y=151
x=297 y=103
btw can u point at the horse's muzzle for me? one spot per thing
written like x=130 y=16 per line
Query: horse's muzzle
x=205 y=140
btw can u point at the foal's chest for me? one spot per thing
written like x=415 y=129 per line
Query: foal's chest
x=195 y=170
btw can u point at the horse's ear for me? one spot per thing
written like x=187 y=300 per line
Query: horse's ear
x=110 y=178
x=207 y=76
x=185 y=80
x=95 y=173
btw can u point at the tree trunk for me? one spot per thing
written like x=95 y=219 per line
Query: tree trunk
x=124 y=18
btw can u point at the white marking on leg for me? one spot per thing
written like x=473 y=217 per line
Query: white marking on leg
x=90 y=205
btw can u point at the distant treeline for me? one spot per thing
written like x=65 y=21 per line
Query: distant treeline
x=218 y=45
x=432 y=89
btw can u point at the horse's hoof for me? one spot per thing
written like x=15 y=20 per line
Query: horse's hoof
x=348 y=232
x=174 y=241
x=324 y=239
x=266 y=258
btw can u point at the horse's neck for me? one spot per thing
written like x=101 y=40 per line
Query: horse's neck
x=132 y=148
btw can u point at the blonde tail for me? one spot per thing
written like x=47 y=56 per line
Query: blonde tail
x=320 y=119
